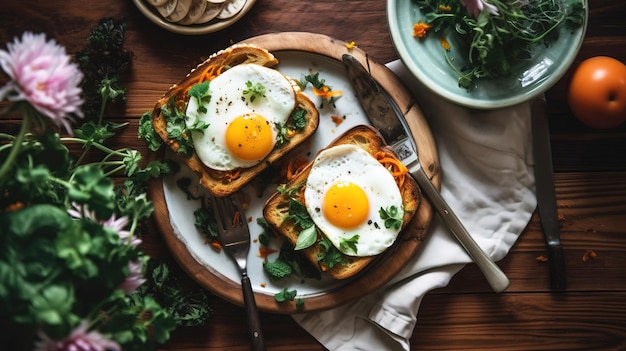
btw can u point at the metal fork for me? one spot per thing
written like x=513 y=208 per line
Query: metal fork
x=234 y=236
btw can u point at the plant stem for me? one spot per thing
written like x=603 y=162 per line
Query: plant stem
x=17 y=146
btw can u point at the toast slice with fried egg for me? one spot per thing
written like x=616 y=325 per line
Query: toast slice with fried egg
x=174 y=131
x=278 y=208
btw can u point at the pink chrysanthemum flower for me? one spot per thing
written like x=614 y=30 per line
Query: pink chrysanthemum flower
x=41 y=74
x=81 y=339
x=133 y=280
x=135 y=277
x=475 y=7
x=117 y=224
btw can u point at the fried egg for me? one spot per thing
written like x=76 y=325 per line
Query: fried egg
x=242 y=127
x=345 y=192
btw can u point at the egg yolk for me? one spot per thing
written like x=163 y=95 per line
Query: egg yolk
x=345 y=205
x=249 y=137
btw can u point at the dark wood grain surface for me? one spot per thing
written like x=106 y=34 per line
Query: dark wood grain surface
x=590 y=180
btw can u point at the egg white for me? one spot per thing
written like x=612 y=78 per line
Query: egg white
x=353 y=164
x=228 y=102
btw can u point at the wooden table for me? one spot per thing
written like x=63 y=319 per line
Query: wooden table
x=590 y=177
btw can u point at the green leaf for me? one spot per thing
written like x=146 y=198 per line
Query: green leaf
x=34 y=220
x=91 y=187
x=146 y=132
x=200 y=91
x=306 y=238
x=277 y=269
x=349 y=245
x=392 y=217
x=254 y=90
x=53 y=305
x=330 y=256
x=299 y=119
x=285 y=295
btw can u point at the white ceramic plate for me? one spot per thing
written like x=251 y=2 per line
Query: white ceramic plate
x=425 y=60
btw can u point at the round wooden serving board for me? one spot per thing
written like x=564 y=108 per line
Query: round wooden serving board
x=392 y=261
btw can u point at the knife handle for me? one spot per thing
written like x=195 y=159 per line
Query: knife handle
x=494 y=275
x=557 y=267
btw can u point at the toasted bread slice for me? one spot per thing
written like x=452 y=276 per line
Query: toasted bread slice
x=277 y=206
x=223 y=183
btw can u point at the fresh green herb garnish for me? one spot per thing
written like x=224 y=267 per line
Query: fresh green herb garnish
x=349 y=245
x=299 y=303
x=297 y=122
x=277 y=269
x=501 y=36
x=254 y=90
x=177 y=129
x=188 y=305
x=266 y=236
x=392 y=217
x=299 y=215
x=306 y=238
x=285 y=295
x=330 y=256
x=320 y=88
x=299 y=119
x=200 y=91
x=147 y=133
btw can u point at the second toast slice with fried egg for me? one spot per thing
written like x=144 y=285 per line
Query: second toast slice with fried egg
x=350 y=204
x=233 y=116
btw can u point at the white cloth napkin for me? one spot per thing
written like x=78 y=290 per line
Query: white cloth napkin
x=487 y=179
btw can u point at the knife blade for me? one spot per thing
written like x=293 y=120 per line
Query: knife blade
x=546 y=194
x=385 y=115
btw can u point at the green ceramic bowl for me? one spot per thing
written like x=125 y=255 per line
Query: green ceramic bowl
x=425 y=59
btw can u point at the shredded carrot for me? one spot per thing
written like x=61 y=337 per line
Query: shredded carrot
x=294 y=166
x=216 y=245
x=265 y=251
x=589 y=254
x=444 y=43
x=351 y=45
x=326 y=93
x=14 y=207
x=210 y=72
x=338 y=120
x=232 y=175
x=420 y=29
x=301 y=195
x=291 y=133
x=398 y=169
x=236 y=218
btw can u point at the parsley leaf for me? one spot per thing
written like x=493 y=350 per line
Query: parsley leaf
x=349 y=245
x=285 y=295
x=147 y=133
x=299 y=119
x=200 y=91
x=176 y=127
x=254 y=90
x=330 y=256
x=392 y=217
x=277 y=269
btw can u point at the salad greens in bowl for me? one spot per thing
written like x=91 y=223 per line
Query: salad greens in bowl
x=487 y=54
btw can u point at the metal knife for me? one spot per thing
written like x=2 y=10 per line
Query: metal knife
x=546 y=195
x=385 y=115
